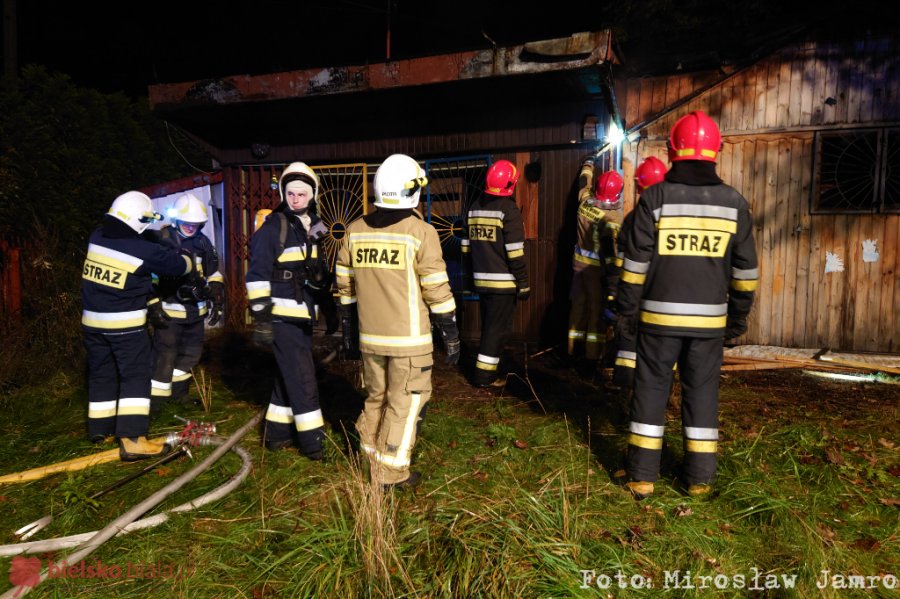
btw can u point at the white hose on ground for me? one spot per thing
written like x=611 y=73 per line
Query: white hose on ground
x=127 y=521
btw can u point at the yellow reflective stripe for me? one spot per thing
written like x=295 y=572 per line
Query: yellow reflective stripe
x=495 y=284
x=101 y=409
x=258 y=289
x=216 y=277
x=134 y=406
x=692 y=151
x=485 y=366
x=585 y=260
x=114 y=320
x=654 y=443
x=346 y=301
x=295 y=312
x=576 y=334
x=744 y=285
x=694 y=322
x=515 y=253
x=180 y=375
x=109 y=257
x=343 y=271
x=309 y=421
x=481 y=220
x=444 y=307
x=281 y=414
x=297 y=254
x=697 y=223
x=633 y=278
x=626 y=362
x=695 y=446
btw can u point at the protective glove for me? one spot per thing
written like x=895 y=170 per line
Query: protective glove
x=735 y=327
x=350 y=332
x=263 y=337
x=156 y=316
x=523 y=294
x=261 y=311
x=215 y=315
x=446 y=324
x=610 y=316
x=216 y=294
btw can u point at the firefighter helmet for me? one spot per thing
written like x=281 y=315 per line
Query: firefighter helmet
x=398 y=182
x=501 y=178
x=608 y=190
x=650 y=172
x=189 y=214
x=135 y=209
x=298 y=171
x=260 y=218
x=695 y=136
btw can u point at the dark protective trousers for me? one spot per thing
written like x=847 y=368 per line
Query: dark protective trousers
x=176 y=350
x=585 y=324
x=118 y=383
x=496 y=325
x=700 y=363
x=294 y=406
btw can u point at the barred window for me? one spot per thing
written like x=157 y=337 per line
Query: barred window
x=857 y=171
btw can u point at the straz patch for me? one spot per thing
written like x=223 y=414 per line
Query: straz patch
x=380 y=255
x=482 y=233
x=103 y=274
x=681 y=242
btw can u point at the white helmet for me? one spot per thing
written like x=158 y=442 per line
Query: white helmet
x=135 y=209
x=398 y=182
x=298 y=171
x=189 y=214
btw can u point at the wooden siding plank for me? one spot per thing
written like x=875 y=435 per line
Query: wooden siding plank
x=764 y=175
x=807 y=70
x=853 y=291
x=782 y=111
x=855 y=66
x=820 y=81
x=837 y=282
x=802 y=173
x=833 y=88
x=866 y=336
x=795 y=89
x=782 y=300
x=889 y=322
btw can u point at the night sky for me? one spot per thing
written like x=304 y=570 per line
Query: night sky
x=126 y=46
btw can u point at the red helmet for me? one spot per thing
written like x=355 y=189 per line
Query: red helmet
x=608 y=189
x=650 y=172
x=695 y=137
x=501 y=178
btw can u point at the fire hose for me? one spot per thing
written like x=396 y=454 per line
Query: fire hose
x=89 y=542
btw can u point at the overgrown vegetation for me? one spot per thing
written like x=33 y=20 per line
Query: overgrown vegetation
x=514 y=503
x=65 y=153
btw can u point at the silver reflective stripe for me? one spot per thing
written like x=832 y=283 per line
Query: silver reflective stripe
x=647 y=430
x=628 y=355
x=636 y=267
x=515 y=246
x=491 y=276
x=486 y=214
x=687 y=309
x=706 y=434
x=488 y=359
x=748 y=273
x=698 y=210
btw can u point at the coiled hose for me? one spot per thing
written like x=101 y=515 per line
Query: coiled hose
x=90 y=541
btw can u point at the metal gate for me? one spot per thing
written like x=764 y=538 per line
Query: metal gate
x=453 y=184
x=343 y=197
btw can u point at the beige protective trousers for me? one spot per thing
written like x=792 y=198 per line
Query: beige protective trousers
x=398 y=389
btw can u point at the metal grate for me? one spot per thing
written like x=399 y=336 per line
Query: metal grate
x=342 y=199
x=453 y=184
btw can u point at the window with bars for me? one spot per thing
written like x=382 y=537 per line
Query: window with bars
x=857 y=171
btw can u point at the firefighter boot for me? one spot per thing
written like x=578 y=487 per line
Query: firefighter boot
x=410 y=483
x=141 y=448
x=640 y=489
x=699 y=490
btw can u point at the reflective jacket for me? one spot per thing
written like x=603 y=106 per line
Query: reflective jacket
x=690 y=260
x=495 y=245
x=116 y=277
x=392 y=267
x=281 y=271
x=176 y=296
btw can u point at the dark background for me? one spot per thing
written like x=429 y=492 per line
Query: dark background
x=126 y=46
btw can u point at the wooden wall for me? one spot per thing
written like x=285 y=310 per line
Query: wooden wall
x=768 y=114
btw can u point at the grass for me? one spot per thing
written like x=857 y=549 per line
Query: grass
x=515 y=502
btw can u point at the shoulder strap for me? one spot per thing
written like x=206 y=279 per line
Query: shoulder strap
x=282 y=234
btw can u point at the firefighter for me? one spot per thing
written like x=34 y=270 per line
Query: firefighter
x=495 y=250
x=687 y=285
x=288 y=278
x=116 y=292
x=649 y=172
x=178 y=344
x=599 y=217
x=391 y=276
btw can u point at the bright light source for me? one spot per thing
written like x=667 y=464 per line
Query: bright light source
x=615 y=135
x=172 y=212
